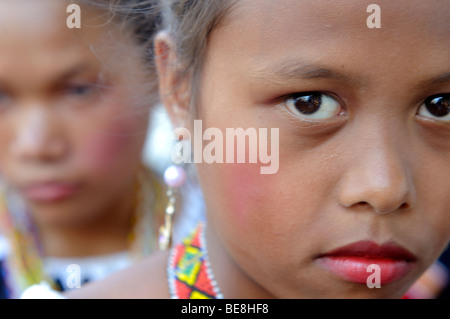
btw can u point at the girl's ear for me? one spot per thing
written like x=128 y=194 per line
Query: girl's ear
x=173 y=87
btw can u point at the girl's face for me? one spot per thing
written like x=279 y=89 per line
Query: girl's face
x=364 y=143
x=71 y=130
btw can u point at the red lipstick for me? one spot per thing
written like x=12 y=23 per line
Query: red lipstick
x=351 y=262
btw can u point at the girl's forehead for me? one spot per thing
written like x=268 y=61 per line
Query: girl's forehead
x=28 y=13
x=43 y=23
x=261 y=33
x=316 y=18
x=36 y=43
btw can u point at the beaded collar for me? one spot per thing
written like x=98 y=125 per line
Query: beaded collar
x=189 y=272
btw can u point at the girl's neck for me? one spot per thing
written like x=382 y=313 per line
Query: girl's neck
x=233 y=282
x=106 y=233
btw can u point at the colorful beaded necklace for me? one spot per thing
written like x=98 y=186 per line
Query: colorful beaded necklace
x=189 y=272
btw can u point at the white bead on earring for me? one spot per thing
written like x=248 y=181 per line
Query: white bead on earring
x=174 y=177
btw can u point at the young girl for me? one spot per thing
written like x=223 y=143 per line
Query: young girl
x=77 y=204
x=364 y=144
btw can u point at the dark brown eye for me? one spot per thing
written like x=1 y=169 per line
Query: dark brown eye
x=436 y=107
x=308 y=104
x=315 y=106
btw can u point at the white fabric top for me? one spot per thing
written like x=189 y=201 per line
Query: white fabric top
x=42 y=291
x=71 y=273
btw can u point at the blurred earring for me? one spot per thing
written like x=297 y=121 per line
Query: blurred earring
x=174 y=176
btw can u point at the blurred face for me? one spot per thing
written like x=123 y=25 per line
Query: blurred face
x=364 y=125
x=71 y=127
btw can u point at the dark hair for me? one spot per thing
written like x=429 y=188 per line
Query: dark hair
x=140 y=18
x=190 y=23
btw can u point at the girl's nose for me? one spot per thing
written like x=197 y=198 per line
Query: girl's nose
x=38 y=137
x=378 y=178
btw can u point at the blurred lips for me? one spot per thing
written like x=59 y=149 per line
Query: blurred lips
x=351 y=262
x=49 y=191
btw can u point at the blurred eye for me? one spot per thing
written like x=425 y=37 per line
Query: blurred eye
x=313 y=106
x=5 y=98
x=79 y=90
x=436 y=107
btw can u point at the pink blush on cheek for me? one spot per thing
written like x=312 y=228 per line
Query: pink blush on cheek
x=104 y=151
x=246 y=192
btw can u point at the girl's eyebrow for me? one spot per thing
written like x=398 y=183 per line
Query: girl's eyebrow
x=307 y=71
x=72 y=72
x=61 y=76
x=69 y=73
x=288 y=70
x=440 y=79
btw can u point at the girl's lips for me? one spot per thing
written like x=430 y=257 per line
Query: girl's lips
x=49 y=192
x=351 y=262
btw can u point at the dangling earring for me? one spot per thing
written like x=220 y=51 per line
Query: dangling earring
x=174 y=176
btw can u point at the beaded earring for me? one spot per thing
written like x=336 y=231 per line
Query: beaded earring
x=174 y=177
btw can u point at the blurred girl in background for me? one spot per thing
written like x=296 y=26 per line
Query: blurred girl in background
x=74 y=110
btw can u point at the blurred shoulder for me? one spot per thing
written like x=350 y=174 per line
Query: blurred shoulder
x=146 y=279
